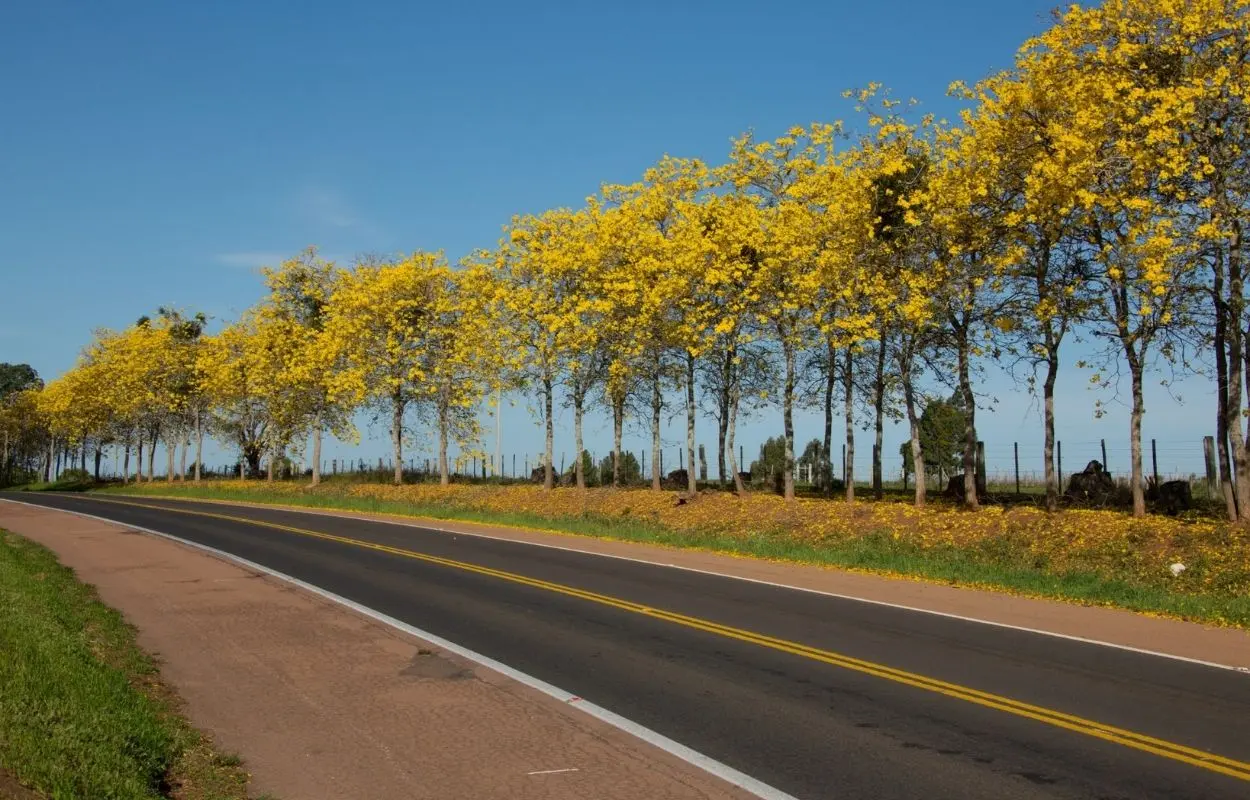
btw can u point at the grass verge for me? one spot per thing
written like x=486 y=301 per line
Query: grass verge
x=83 y=713
x=990 y=565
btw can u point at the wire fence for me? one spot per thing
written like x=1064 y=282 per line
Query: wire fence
x=1006 y=466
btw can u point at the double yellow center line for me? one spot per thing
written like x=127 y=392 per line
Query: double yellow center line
x=1110 y=733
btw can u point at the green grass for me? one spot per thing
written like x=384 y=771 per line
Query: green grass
x=83 y=713
x=872 y=552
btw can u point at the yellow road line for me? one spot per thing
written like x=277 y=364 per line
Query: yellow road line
x=1127 y=738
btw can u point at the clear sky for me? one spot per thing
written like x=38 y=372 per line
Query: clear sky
x=157 y=152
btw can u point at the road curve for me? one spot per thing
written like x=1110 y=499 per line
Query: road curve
x=818 y=696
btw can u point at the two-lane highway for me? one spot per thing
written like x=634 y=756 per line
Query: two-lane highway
x=814 y=695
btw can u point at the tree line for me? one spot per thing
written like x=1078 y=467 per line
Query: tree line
x=1096 y=190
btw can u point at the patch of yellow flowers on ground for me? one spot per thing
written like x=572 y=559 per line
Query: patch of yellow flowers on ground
x=1109 y=544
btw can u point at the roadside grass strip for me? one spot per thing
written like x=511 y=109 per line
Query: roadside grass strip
x=83 y=713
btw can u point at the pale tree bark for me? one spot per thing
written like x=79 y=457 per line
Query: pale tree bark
x=906 y=357
x=657 y=406
x=185 y=445
x=618 y=429
x=444 y=474
x=848 y=388
x=730 y=430
x=316 y=451
x=50 y=466
x=397 y=435
x=788 y=418
x=878 y=402
x=579 y=400
x=152 y=458
x=549 y=453
x=273 y=458
x=1048 y=425
x=692 y=478
x=722 y=422
x=199 y=443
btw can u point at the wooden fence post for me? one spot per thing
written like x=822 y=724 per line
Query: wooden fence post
x=1015 y=446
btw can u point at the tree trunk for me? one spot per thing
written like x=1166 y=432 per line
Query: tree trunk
x=444 y=473
x=788 y=418
x=171 y=450
x=618 y=429
x=1222 y=389
x=848 y=386
x=1048 y=428
x=970 y=427
x=99 y=454
x=199 y=443
x=1237 y=373
x=657 y=406
x=579 y=470
x=905 y=357
x=730 y=430
x=273 y=458
x=139 y=461
x=548 y=466
x=397 y=436
x=126 y=465
x=692 y=477
x=1139 y=409
x=878 y=402
x=152 y=458
x=316 y=450
x=83 y=454
x=50 y=468
x=831 y=379
x=722 y=429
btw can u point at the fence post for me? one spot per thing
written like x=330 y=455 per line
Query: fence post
x=514 y=465
x=644 y=460
x=1208 y=452
x=1015 y=446
x=742 y=467
x=844 y=473
x=1059 y=466
x=661 y=452
x=1103 y=444
x=702 y=463
x=1154 y=461
x=681 y=458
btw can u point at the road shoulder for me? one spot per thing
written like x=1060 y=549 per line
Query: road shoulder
x=325 y=703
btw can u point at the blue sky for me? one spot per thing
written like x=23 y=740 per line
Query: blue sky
x=156 y=153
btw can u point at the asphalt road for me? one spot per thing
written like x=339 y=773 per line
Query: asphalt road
x=825 y=698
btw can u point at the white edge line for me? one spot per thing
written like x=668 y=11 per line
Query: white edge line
x=885 y=603
x=670 y=746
